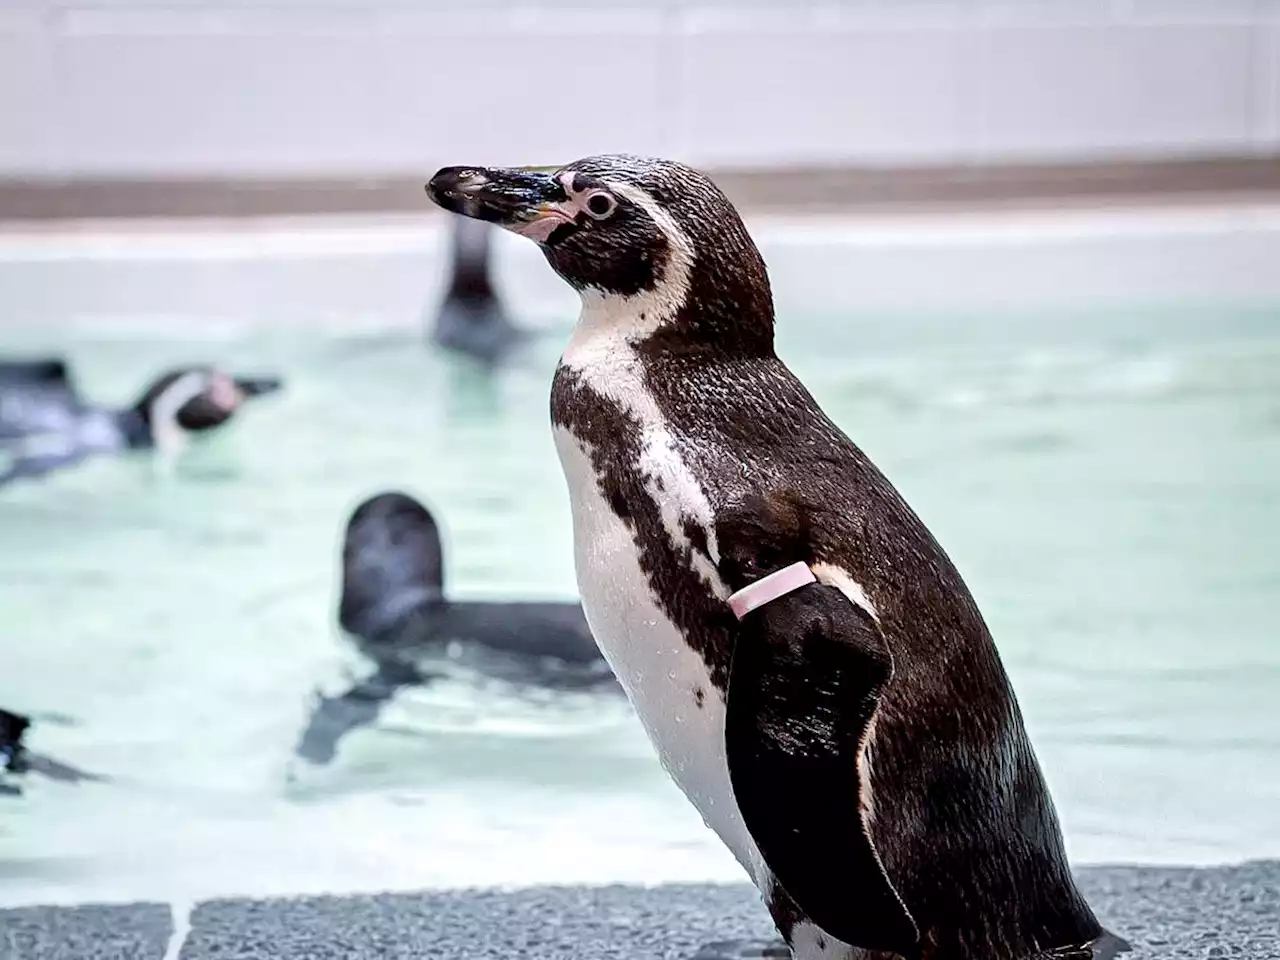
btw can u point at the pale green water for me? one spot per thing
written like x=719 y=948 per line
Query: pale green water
x=1108 y=483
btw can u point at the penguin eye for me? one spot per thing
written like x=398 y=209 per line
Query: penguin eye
x=600 y=204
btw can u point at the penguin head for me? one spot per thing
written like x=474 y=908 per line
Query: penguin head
x=190 y=400
x=654 y=242
x=392 y=564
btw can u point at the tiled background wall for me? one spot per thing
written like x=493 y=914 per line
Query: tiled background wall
x=298 y=87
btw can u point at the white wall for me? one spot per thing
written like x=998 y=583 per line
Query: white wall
x=931 y=277
x=298 y=87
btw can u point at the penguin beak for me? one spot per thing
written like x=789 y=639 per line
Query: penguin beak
x=257 y=386
x=532 y=203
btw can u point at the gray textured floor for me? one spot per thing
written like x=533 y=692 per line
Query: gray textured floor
x=140 y=930
x=1164 y=912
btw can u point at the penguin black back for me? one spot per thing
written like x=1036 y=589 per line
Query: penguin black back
x=41 y=370
x=471 y=318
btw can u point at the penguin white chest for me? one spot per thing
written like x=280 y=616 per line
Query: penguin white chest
x=667 y=682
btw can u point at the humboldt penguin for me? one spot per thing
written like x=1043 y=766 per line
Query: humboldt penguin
x=857 y=746
x=394 y=610
x=45 y=425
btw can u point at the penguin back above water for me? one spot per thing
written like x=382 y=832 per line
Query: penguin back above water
x=855 y=741
x=471 y=319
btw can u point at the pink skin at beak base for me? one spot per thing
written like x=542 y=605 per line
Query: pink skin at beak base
x=551 y=215
x=539 y=229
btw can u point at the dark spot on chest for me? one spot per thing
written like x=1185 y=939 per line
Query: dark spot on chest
x=699 y=696
x=613 y=441
x=618 y=504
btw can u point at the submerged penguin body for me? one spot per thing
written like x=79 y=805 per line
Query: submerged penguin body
x=394 y=610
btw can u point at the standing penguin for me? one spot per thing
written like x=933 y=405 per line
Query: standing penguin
x=804 y=656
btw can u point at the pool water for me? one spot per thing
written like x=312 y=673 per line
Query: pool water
x=1108 y=482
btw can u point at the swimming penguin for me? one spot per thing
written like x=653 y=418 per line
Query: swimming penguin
x=471 y=318
x=16 y=759
x=853 y=739
x=393 y=608
x=45 y=424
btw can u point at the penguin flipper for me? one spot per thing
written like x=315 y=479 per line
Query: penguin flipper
x=59 y=771
x=360 y=706
x=804 y=682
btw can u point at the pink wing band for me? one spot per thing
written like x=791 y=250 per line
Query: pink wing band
x=766 y=589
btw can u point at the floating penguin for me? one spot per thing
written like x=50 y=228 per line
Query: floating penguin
x=471 y=319
x=853 y=739
x=394 y=609
x=45 y=425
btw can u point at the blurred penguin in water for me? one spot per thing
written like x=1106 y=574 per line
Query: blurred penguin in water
x=471 y=318
x=393 y=607
x=17 y=760
x=45 y=425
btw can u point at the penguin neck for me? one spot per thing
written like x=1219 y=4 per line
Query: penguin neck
x=728 y=305
x=722 y=316
x=390 y=617
x=714 y=320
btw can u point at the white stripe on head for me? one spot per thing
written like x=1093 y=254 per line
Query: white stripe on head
x=635 y=317
x=601 y=351
x=165 y=430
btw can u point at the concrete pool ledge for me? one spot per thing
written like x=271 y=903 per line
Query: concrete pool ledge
x=1165 y=912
